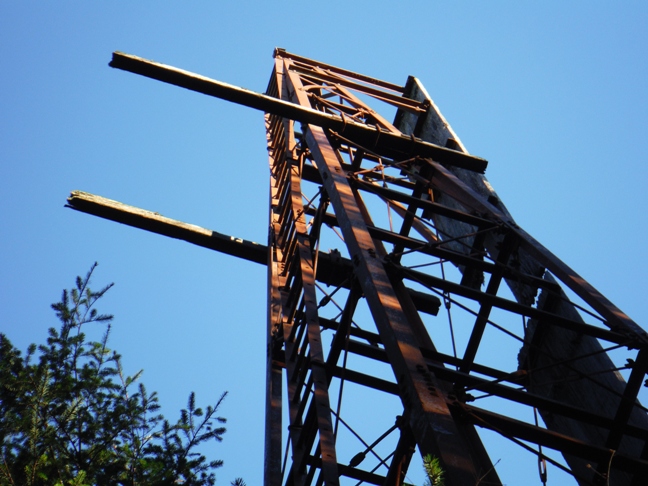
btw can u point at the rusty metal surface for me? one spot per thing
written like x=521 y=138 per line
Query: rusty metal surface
x=430 y=420
x=360 y=207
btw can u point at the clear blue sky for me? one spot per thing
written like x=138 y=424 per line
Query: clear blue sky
x=552 y=93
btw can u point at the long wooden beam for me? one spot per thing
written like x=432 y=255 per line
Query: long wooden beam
x=390 y=144
x=156 y=223
x=333 y=269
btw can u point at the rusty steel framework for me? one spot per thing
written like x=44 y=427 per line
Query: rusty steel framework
x=386 y=256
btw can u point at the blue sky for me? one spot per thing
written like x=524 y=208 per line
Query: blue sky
x=552 y=94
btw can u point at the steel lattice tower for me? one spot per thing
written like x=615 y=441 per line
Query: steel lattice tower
x=387 y=253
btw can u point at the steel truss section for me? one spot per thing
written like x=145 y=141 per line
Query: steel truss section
x=544 y=361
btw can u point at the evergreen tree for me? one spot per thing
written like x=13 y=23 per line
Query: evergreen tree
x=69 y=416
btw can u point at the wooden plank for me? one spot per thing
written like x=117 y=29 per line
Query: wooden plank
x=333 y=269
x=391 y=144
x=156 y=223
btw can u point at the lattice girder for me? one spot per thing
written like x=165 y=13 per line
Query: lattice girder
x=413 y=224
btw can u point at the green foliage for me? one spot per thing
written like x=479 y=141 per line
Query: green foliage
x=69 y=416
x=433 y=470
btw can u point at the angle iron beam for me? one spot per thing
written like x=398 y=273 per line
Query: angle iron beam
x=472 y=275
x=530 y=399
x=410 y=214
x=324 y=375
x=377 y=353
x=351 y=472
x=424 y=204
x=502 y=376
x=274 y=377
x=283 y=54
x=283 y=298
x=496 y=388
x=432 y=246
x=402 y=455
x=361 y=109
x=391 y=143
x=275 y=355
x=344 y=327
x=436 y=248
x=295 y=285
x=406 y=104
x=353 y=376
x=301 y=260
x=368 y=336
x=629 y=400
x=364 y=379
